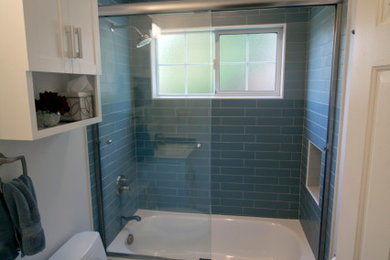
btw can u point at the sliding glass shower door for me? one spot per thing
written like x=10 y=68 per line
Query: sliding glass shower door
x=155 y=136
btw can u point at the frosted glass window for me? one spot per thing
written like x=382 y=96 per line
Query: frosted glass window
x=171 y=80
x=232 y=48
x=171 y=49
x=200 y=79
x=220 y=62
x=199 y=47
x=248 y=63
x=262 y=47
x=261 y=77
x=233 y=77
x=185 y=64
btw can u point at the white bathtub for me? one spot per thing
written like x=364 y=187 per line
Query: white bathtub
x=187 y=236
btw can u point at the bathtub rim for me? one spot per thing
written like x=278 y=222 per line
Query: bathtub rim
x=293 y=226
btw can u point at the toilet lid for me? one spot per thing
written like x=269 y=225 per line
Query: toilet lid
x=80 y=247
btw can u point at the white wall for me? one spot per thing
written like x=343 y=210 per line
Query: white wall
x=58 y=166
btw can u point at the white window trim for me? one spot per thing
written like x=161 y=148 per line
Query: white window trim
x=280 y=29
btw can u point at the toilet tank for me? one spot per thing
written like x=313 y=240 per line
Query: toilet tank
x=82 y=246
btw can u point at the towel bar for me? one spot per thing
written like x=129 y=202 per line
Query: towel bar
x=4 y=160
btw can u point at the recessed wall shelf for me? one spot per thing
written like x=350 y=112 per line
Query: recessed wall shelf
x=313 y=170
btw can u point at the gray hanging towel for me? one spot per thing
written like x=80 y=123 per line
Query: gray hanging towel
x=8 y=244
x=19 y=195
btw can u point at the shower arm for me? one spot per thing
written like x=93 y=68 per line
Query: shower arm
x=113 y=27
x=138 y=31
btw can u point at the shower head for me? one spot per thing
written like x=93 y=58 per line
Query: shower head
x=145 y=38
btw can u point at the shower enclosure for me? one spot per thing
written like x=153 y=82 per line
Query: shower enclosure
x=188 y=129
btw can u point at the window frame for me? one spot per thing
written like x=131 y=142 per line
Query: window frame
x=280 y=29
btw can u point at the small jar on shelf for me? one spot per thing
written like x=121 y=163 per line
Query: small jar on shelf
x=50 y=107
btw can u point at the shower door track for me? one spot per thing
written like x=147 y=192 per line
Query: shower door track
x=161 y=7
x=142 y=257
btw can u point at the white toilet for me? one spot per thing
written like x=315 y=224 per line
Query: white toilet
x=82 y=246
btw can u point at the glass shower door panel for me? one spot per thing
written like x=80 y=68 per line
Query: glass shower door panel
x=160 y=147
x=173 y=139
x=116 y=135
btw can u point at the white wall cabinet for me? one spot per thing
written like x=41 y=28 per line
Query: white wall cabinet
x=44 y=43
x=62 y=36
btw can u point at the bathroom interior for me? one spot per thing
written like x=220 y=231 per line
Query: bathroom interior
x=185 y=155
x=202 y=130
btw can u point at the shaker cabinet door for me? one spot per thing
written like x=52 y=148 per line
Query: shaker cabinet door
x=47 y=40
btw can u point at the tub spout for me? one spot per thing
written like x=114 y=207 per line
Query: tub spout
x=137 y=218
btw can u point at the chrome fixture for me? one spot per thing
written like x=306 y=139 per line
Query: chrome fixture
x=125 y=219
x=4 y=160
x=122 y=184
x=145 y=39
x=135 y=217
x=109 y=141
x=130 y=239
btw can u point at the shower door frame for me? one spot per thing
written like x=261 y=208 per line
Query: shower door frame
x=162 y=7
x=329 y=155
x=217 y=5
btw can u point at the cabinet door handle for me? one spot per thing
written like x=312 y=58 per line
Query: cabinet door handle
x=73 y=42
x=69 y=30
x=79 y=43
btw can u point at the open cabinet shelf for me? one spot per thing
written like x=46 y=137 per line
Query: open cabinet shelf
x=23 y=125
x=64 y=127
x=40 y=82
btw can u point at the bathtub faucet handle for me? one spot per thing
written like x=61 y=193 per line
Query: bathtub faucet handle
x=122 y=184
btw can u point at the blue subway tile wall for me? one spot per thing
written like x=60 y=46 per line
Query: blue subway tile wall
x=258 y=156
x=117 y=158
x=319 y=61
x=172 y=174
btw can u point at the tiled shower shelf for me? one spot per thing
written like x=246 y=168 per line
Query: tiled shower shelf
x=313 y=173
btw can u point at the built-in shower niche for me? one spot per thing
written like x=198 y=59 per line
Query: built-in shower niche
x=313 y=173
x=173 y=147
